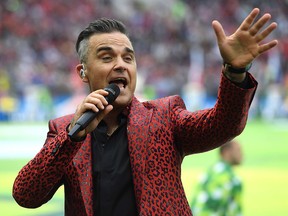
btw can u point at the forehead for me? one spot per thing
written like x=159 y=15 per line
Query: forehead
x=114 y=39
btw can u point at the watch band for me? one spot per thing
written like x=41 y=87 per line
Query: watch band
x=232 y=69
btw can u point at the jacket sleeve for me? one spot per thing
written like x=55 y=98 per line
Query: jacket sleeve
x=37 y=181
x=207 y=129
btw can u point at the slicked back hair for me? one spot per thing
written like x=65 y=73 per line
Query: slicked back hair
x=102 y=25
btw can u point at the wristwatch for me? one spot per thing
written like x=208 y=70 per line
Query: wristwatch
x=232 y=69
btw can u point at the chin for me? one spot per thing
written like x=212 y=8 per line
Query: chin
x=123 y=101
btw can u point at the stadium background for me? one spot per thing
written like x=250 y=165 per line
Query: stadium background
x=176 y=54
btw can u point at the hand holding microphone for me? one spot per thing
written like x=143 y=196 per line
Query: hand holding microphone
x=113 y=92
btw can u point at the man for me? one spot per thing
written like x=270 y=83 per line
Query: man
x=219 y=192
x=127 y=161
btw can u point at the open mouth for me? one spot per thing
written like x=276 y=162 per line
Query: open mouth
x=121 y=82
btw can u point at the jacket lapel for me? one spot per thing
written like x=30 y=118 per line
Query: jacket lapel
x=84 y=157
x=139 y=118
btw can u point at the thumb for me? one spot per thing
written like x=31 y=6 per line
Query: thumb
x=219 y=31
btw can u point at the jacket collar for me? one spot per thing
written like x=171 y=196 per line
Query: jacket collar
x=139 y=118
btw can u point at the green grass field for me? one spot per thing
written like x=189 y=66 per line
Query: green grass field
x=264 y=172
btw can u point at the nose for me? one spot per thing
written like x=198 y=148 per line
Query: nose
x=119 y=66
x=119 y=69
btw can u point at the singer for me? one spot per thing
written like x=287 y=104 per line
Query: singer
x=127 y=161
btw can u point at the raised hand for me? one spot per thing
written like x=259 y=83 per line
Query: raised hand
x=244 y=45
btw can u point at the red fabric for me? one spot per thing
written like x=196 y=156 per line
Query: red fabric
x=160 y=134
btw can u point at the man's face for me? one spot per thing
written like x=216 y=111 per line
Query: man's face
x=111 y=59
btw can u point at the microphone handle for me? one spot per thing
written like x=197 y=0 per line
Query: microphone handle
x=82 y=123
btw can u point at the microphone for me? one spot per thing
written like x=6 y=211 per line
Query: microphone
x=88 y=116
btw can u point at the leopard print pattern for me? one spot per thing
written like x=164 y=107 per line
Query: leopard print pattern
x=160 y=134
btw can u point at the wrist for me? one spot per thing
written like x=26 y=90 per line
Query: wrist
x=235 y=74
x=233 y=77
x=236 y=70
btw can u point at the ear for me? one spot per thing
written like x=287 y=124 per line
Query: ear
x=79 y=67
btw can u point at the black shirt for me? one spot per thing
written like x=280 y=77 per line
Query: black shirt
x=113 y=192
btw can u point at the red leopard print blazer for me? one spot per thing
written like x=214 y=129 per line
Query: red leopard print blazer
x=160 y=134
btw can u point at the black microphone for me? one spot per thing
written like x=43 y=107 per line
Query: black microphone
x=88 y=116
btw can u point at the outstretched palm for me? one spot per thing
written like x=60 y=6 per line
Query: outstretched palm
x=243 y=46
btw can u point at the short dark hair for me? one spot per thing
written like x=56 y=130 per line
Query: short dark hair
x=102 y=25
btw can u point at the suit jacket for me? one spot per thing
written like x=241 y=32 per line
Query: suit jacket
x=160 y=133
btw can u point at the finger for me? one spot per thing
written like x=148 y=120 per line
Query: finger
x=219 y=31
x=259 y=24
x=266 y=32
x=264 y=47
x=245 y=25
x=92 y=102
x=97 y=101
x=88 y=106
x=100 y=94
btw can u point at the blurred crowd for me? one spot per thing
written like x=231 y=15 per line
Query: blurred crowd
x=174 y=42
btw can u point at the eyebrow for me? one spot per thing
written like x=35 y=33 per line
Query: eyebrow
x=107 y=48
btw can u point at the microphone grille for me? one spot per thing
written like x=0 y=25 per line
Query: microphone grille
x=113 y=91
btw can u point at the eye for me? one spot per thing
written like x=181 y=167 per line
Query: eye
x=128 y=58
x=106 y=58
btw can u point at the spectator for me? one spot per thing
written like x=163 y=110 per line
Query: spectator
x=39 y=50
x=220 y=190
